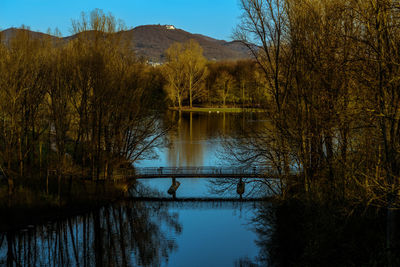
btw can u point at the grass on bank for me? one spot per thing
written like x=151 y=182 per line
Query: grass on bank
x=217 y=109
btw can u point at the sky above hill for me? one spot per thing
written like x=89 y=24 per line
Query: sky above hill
x=214 y=18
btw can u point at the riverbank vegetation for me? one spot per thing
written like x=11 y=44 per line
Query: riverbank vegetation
x=332 y=70
x=77 y=109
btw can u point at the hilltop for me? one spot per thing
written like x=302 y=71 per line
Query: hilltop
x=151 y=41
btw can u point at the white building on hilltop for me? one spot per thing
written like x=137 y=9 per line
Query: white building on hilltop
x=170 y=27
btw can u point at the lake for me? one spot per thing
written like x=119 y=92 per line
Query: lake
x=213 y=231
x=205 y=225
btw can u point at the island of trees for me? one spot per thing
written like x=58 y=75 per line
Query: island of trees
x=82 y=108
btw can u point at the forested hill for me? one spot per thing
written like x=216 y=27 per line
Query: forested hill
x=151 y=41
x=11 y=32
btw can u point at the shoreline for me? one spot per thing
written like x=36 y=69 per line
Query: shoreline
x=32 y=206
x=216 y=109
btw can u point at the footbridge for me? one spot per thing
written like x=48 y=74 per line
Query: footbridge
x=201 y=172
x=172 y=173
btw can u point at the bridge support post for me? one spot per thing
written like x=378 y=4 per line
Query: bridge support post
x=172 y=189
x=240 y=188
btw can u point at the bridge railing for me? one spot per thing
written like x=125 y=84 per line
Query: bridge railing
x=204 y=170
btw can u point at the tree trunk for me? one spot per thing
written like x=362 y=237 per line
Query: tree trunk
x=10 y=186
x=329 y=157
x=190 y=92
x=179 y=103
x=21 y=166
x=242 y=95
x=98 y=149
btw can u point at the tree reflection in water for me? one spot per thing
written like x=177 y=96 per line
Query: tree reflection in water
x=298 y=234
x=127 y=234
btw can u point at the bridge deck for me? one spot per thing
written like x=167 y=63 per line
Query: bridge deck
x=198 y=199
x=201 y=172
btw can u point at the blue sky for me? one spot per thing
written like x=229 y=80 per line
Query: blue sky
x=215 y=18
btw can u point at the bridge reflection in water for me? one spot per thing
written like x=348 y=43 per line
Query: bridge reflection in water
x=191 y=203
x=233 y=175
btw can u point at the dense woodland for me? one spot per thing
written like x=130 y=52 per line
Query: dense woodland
x=331 y=69
x=78 y=108
x=326 y=72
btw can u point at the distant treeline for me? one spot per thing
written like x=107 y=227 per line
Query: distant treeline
x=191 y=79
x=235 y=83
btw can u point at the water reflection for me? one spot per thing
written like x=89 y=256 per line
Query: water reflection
x=126 y=234
x=136 y=233
x=197 y=138
x=204 y=234
x=313 y=234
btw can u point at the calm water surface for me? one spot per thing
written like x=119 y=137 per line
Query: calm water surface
x=213 y=234
x=139 y=233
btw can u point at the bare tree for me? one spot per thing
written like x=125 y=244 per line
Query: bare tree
x=224 y=83
x=195 y=69
x=185 y=72
x=175 y=74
